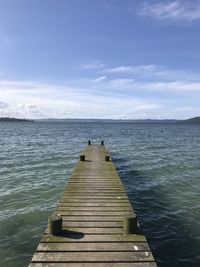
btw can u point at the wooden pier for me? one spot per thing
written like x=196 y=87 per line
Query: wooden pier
x=94 y=224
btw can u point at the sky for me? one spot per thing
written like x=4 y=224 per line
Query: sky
x=119 y=59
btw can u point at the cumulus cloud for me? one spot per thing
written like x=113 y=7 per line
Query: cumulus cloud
x=3 y=105
x=85 y=100
x=111 y=96
x=27 y=106
x=172 y=10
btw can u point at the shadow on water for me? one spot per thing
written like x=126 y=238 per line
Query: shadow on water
x=168 y=229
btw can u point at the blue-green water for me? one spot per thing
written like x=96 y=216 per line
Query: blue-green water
x=158 y=163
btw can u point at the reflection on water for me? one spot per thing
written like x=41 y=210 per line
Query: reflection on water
x=158 y=163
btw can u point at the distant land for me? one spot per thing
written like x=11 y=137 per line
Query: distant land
x=7 y=119
x=191 y=120
x=106 y=120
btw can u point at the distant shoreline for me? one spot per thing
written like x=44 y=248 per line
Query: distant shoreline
x=195 y=120
x=191 y=120
x=7 y=119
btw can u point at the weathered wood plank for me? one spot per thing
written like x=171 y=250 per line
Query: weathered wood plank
x=78 y=237
x=96 y=264
x=82 y=189
x=92 y=224
x=93 y=218
x=112 y=180
x=93 y=200
x=92 y=246
x=106 y=190
x=93 y=186
x=94 y=213
x=93 y=230
x=92 y=208
x=95 y=204
x=96 y=197
x=102 y=256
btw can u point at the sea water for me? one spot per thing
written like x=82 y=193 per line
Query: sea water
x=159 y=164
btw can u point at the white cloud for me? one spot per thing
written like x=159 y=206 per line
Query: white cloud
x=27 y=106
x=179 y=86
x=151 y=72
x=3 y=105
x=172 y=10
x=130 y=69
x=39 y=100
x=100 y=79
x=92 y=66
x=127 y=85
x=104 y=98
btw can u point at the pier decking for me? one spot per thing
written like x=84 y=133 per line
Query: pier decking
x=99 y=225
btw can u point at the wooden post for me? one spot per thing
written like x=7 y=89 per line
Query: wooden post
x=130 y=225
x=102 y=143
x=107 y=158
x=82 y=157
x=89 y=142
x=55 y=224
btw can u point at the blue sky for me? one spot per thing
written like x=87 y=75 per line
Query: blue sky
x=100 y=59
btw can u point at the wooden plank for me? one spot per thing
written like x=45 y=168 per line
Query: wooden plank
x=96 y=191
x=96 y=204
x=106 y=190
x=94 y=213
x=102 y=256
x=95 y=194
x=93 y=247
x=94 y=186
x=75 y=200
x=95 y=264
x=92 y=224
x=90 y=184
x=91 y=208
x=93 y=230
x=78 y=237
x=112 y=181
x=93 y=218
x=110 y=178
x=97 y=197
